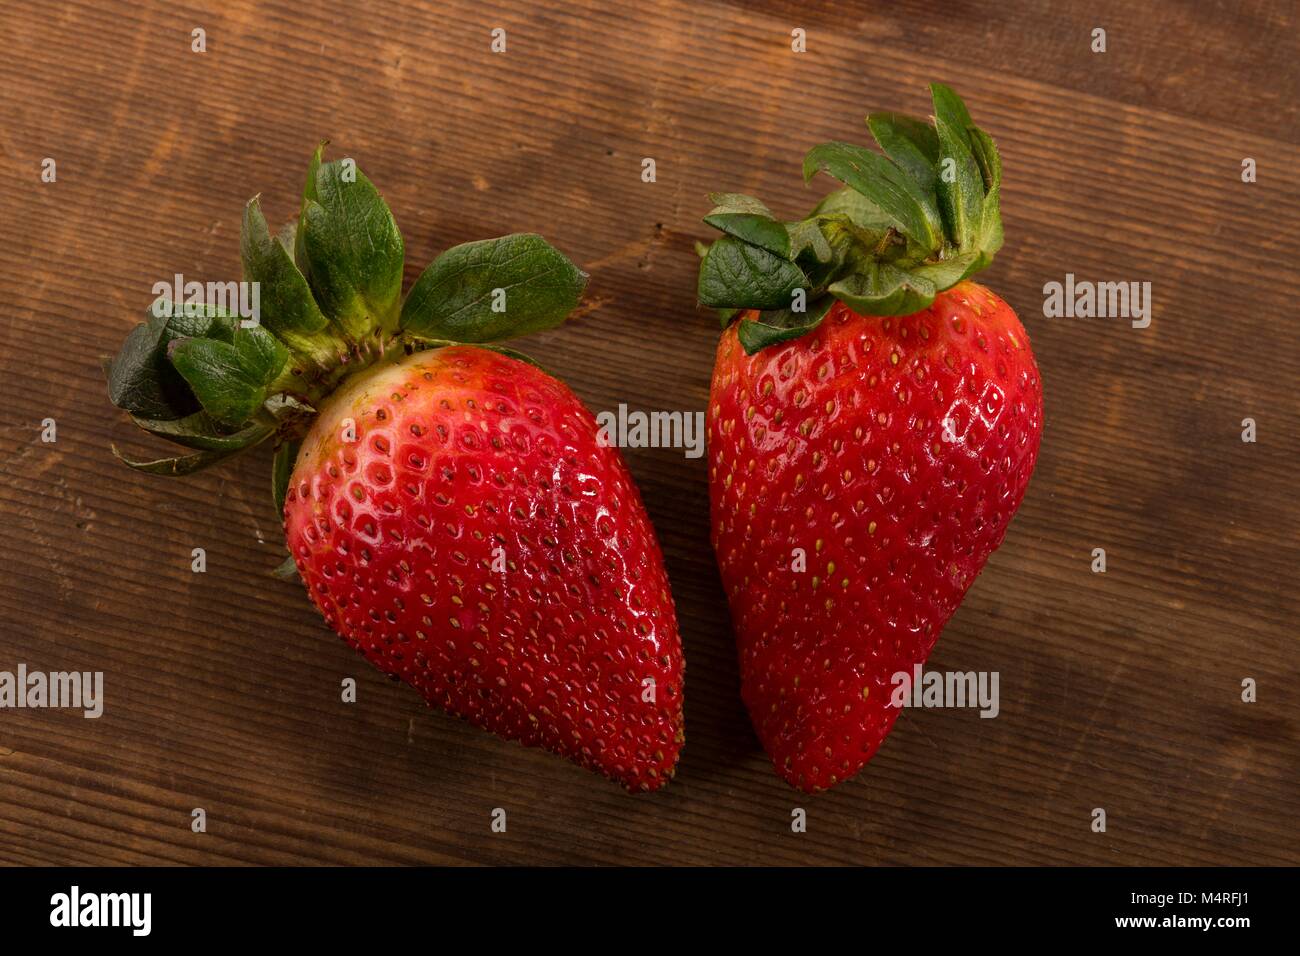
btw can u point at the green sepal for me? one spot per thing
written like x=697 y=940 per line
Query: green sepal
x=882 y=289
x=756 y=230
x=735 y=274
x=349 y=248
x=884 y=184
x=990 y=163
x=287 y=308
x=286 y=570
x=141 y=380
x=230 y=379
x=824 y=246
x=986 y=154
x=724 y=315
x=196 y=320
x=961 y=194
x=781 y=325
x=946 y=273
x=911 y=143
x=808 y=242
x=176 y=467
x=865 y=215
x=739 y=202
x=281 y=471
x=748 y=219
x=201 y=432
x=457 y=297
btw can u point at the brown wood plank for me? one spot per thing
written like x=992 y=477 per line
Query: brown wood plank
x=1119 y=690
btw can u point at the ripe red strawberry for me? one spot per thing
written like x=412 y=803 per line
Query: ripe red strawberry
x=477 y=541
x=868 y=452
x=448 y=506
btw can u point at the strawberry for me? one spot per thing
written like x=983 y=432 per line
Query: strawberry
x=447 y=503
x=477 y=541
x=868 y=449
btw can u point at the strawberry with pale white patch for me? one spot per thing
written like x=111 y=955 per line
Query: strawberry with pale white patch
x=446 y=502
x=473 y=538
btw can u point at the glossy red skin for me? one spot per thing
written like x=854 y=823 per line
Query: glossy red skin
x=833 y=443
x=459 y=451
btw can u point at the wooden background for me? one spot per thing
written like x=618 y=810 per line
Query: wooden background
x=1119 y=691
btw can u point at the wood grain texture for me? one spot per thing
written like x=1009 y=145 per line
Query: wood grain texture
x=1119 y=690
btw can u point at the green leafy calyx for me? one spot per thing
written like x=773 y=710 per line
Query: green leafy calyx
x=328 y=301
x=910 y=221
